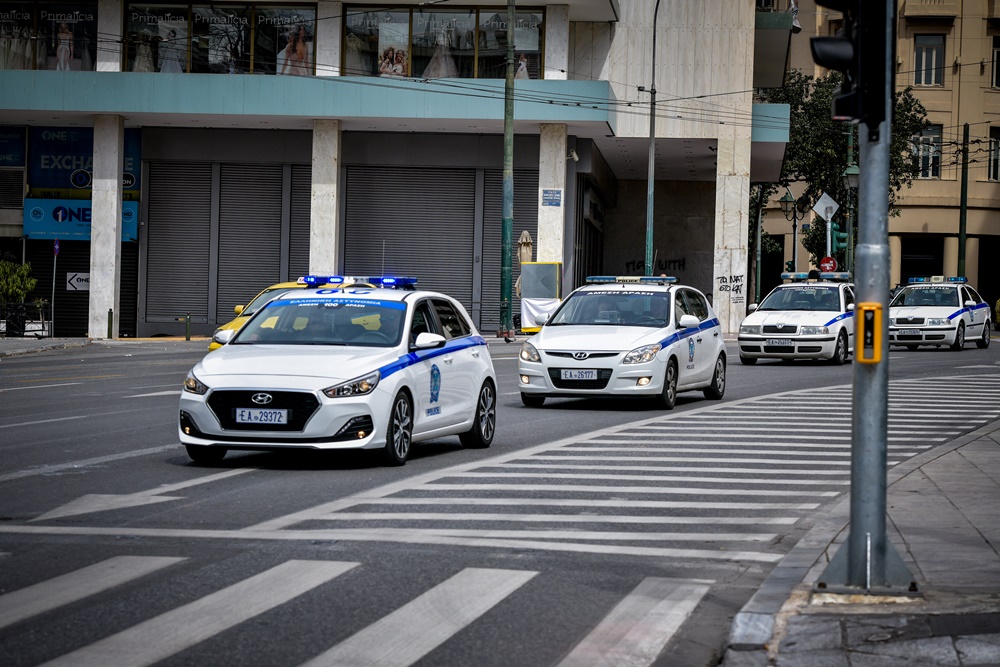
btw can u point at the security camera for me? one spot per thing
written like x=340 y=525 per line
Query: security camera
x=573 y=156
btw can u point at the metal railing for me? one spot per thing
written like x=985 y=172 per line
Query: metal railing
x=26 y=319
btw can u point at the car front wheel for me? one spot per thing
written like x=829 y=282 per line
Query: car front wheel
x=984 y=340
x=532 y=401
x=484 y=423
x=399 y=434
x=959 y=343
x=205 y=455
x=668 y=397
x=717 y=389
x=840 y=351
x=748 y=361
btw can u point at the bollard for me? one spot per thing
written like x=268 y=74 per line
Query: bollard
x=111 y=322
x=187 y=327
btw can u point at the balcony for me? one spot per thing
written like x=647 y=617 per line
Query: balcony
x=771 y=44
x=921 y=9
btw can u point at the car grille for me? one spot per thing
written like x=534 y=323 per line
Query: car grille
x=784 y=329
x=909 y=320
x=603 y=376
x=590 y=355
x=300 y=405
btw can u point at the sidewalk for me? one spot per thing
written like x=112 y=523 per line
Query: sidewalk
x=944 y=519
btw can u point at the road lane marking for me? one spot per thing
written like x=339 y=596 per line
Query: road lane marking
x=172 y=392
x=640 y=626
x=715 y=469
x=581 y=488
x=174 y=631
x=77 y=585
x=417 y=628
x=45 y=421
x=649 y=478
x=57 y=467
x=40 y=386
x=559 y=518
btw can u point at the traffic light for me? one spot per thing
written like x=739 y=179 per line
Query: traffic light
x=860 y=52
x=838 y=237
x=790 y=266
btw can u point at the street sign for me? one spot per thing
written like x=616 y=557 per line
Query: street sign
x=77 y=282
x=828 y=264
x=55 y=247
x=826 y=207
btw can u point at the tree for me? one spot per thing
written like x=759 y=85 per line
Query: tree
x=816 y=153
x=15 y=282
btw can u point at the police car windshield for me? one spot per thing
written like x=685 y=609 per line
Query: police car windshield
x=614 y=307
x=356 y=322
x=803 y=297
x=944 y=295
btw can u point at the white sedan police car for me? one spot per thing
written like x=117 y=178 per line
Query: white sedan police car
x=626 y=336
x=808 y=318
x=938 y=311
x=348 y=368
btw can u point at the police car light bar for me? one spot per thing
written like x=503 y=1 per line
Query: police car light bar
x=795 y=276
x=402 y=282
x=836 y=275
x=939 y=279
x=654 y=280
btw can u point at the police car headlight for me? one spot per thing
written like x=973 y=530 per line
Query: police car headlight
x=938 y=322
x=641 y=355
x=813 y=331
x=529 y=353
x=194 y=385
x=750 y=329
x=356 y=387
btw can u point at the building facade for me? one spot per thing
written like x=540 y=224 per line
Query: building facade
x=187 y=155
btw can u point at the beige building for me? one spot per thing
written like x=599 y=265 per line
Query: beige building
x=947 y=50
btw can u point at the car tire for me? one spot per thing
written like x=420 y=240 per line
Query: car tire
x=205 y=455
x=399 y=433
x=668 y=397
x=959 y=343
x=984 y=341
x=532 y=401
x=840 y=351
x=748 y=361
x=484 y=423
x=717 y=389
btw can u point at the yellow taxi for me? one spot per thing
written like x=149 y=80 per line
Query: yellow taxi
x=243 y=313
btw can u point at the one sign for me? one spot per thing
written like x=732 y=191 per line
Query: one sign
x=826 y=207
x=12 y=146
x=70 y=219
x=62 y=159
x=55 y=247
x=77 y=282
x=828 y=264
x=551 y=197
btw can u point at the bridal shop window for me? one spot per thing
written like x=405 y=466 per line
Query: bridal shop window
x=156 y=39
x=440 y=43
x=283 y=41
x=48 y=36
x=220 y=39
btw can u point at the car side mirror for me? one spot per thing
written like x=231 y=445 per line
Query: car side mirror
x=541 y=318
x=752 y=307
x=850 y=306
x=239 y=310
x=969 y=303
x=223 y=337
x=688 y=322
x=427 y=340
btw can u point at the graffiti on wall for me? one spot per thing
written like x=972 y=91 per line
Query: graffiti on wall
x=661 y=266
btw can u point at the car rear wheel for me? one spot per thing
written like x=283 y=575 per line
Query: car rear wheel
x=959 y=343
x=205 y=455
x=399 y=434
x=484 y=424
x=984 y=340
x=840 y=351
x=717 y=389
x=668 y=397
x=531 y=400
x=748 y=361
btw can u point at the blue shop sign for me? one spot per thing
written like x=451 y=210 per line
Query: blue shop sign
x=12 y=153
x=69 y=219
x=62 y=158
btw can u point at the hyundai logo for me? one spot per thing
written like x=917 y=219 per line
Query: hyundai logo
x=580 y=356
x=261 y=398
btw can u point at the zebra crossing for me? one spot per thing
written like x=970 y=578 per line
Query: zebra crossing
x=633 y=632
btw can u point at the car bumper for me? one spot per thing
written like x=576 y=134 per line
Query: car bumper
x=799 y=347
x=922 y=336
x=612 y=380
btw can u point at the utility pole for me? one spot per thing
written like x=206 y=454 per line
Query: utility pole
x=651 y=177
x=964 y=206
x=507 y=229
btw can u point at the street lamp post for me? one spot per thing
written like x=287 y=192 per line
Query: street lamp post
x=851 y=178
x=791 y=207
x=651 y=180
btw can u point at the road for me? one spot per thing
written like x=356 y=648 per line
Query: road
x=592 y=532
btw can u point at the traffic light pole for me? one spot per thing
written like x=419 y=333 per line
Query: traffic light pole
x=868 y=562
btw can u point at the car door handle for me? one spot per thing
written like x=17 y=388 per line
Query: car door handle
x=715 y=335
x=698 y=339
x=475 y=353
x=447 y=359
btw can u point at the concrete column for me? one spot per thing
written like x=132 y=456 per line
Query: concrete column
x=106 y=225
x=109 y=35
x=551 y=176
x=972 y=261
x=329 y=31
x=732 y=210
x=324 y=224
x=950 y=267
x=557 y=42
x=895 y=260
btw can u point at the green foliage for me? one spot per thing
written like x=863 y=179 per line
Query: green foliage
x=15 y=282
x=816 y=153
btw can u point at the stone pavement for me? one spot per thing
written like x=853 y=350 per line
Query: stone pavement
x=944 y=520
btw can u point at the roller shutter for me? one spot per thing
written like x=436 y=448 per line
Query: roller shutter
x=298 y=246
x=178 y=241
x=412 y=221
x=525 y=218
x=249 y=233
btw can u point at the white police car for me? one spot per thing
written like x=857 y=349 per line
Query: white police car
x=938 y=311
x=626 y=336
x=348 y=368
x=808 y=318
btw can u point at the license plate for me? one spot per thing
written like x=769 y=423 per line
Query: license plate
x=909 y=332
x=261 y=416
x=588 y=374
x=787 y=342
